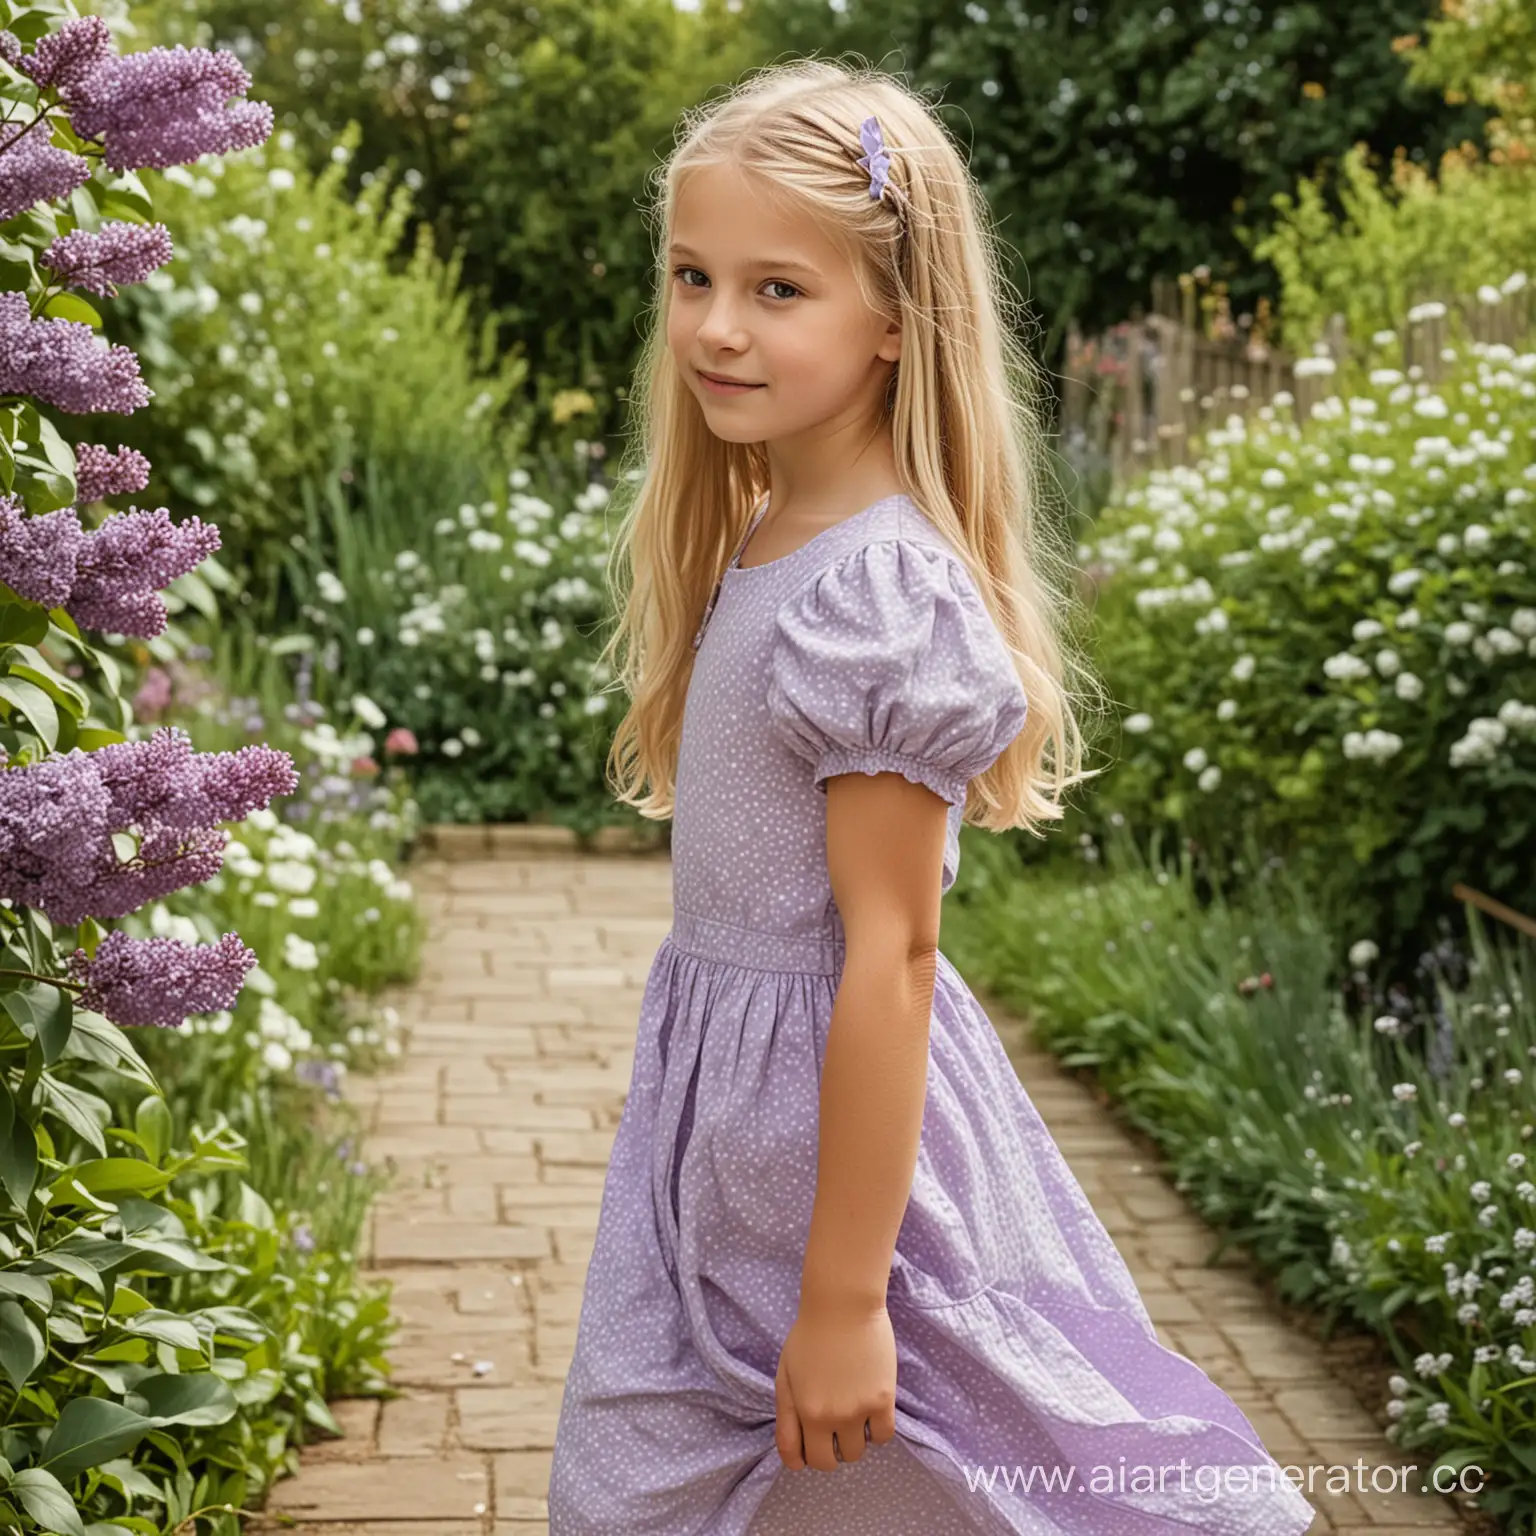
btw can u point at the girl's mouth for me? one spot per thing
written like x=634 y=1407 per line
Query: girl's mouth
x=724 y=387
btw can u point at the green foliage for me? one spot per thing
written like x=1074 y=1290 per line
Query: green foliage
x=1326 y=635
x=1373 y=1156
x=283 y=343
x=1411 y=238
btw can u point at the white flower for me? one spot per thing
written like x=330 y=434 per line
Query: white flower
x=1517 y=715
x=1309 y=366
x=1523 y=622
x=1345 y=665
x=1210 y=778
x=1363 y=952
x=1408 y=619
x=1408 y=687
x=369 y=712
x=1505 y=642
x=1226 y=709
x=1431 y=405
x=1375 y=745
x=1367 y=629
x=1404 y=1092
x=1388 y=662
x=1480 y=744
x=1195 y=759
x=1242 y=668
x=299 y=954
x=1400 y=582
x=1476 y=536
x=1272 y=479
x=291 y=876
x=304 y=906
x=277 y=1055
x=1138 y=724
x=330 y=588
x=1459 y=632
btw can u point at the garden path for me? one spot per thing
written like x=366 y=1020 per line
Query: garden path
x=499 y=1120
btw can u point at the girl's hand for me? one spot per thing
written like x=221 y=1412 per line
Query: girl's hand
x=837 y=1370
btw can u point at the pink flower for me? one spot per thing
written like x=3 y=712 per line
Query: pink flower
x=364 y=766
x=401 y=740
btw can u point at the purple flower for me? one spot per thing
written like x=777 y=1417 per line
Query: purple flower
x=64 y=363
x=67 y=58
x=168 y=107
x=10 y=49
x=303 y=1238
x=57 y=818
x=320 y=1074
x=39 y=556
x=108 y=579
x=127 y=560
x=137 y=982
x=99 y=472
x=33 y=168
x=118 y=252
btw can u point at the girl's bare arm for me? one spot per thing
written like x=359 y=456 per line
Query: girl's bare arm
x=885 y=848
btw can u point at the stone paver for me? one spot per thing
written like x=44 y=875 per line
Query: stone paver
x=499 y=1122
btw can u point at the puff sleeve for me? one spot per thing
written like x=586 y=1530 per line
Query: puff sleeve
x=887 y=661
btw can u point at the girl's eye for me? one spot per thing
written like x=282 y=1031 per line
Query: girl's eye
x=773 y=282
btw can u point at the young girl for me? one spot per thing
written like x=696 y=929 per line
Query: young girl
x=843 y=1280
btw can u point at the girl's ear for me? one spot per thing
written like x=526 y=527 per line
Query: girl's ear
x=890 y=343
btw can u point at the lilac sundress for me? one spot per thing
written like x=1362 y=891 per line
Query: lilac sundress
x=1024 y=1350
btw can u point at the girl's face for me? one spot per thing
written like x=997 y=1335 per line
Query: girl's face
x=764 y=297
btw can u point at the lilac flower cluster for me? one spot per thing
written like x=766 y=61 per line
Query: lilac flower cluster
x=65 y=363
x=57 y=818
x=109 y=579
x=136 y=982
x=32 y=169
x=117 y=253
x=164 y=106
x=99 y=472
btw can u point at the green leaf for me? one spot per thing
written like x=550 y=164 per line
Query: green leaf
x=43 y=1012
x=45 y=1500
x=152 y=1121
x=167 y=1327
x=70 y=306
x=22 y=623
x=200 y=1398
x=18 y=1151
x=21 y=1344
x=92 y=1430
x=194 y=590
x=111 y=1176
x=31 y=1288
x=93 y=736
x=82 y=1112
x=98 y=1039
x=28 y=700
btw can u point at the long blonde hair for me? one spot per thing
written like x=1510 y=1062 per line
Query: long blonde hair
x=966 y=410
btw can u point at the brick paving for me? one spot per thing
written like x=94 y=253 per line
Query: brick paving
x=499 y=1120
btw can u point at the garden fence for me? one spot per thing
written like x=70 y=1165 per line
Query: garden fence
x=1141 y=393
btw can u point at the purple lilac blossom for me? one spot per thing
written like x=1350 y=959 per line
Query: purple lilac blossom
x=119 y=252
x=10 y=49
x=57 y=818
x=108 y=579
x=39 y=556
x=64 y=363
x=154 y=693
x=99 y=472
x=32 y=169
x=168 y=106
x=66 y=59
x=137 y=982
x=127 y=560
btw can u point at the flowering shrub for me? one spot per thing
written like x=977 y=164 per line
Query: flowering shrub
x=479 y=644
x=1325 y=632
x=155 y=1309
x=1375 y=1154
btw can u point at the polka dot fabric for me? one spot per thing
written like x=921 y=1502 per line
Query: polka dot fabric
x=1024 y=1349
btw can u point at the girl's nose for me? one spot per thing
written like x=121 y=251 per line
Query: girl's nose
x=722 y=326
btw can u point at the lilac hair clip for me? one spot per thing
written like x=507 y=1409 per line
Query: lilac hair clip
x=874 y=159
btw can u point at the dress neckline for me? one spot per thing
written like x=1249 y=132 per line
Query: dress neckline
x=735 y=568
